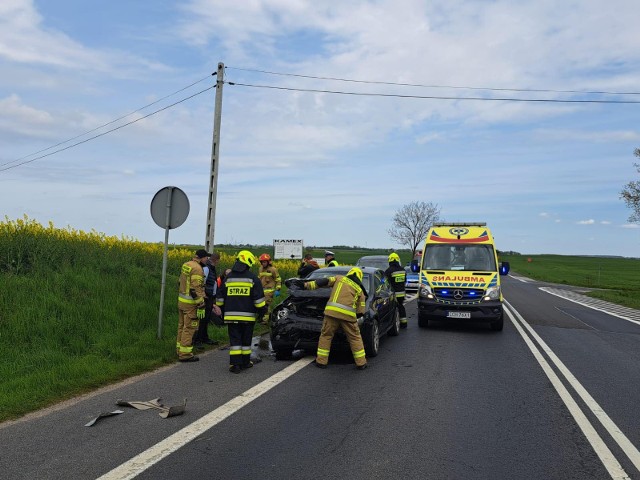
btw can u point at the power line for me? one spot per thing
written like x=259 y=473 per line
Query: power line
x=532 y=90
x=108 y=131
x=106 y=124
x=433 y=97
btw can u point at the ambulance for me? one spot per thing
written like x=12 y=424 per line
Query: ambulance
x=460 y=276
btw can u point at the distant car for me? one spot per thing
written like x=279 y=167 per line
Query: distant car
x=375 y=261
x=413 y=280
x=296 y=322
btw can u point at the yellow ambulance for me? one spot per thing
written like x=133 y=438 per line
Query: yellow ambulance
x=460 y=275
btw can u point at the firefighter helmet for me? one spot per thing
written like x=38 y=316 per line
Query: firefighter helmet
x=265 y=257
x=246 y=257
x=394 y=257
x=355 y=271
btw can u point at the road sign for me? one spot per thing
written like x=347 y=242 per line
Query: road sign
x=169 y=207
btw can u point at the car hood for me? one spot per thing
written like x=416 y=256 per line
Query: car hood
x=457 y=278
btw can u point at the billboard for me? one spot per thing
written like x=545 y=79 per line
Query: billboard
x=289 y=249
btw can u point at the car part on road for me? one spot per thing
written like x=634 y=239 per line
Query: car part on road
x=103 y=415
x=165 y=412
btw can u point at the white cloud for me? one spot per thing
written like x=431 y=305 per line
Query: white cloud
x=591 y=221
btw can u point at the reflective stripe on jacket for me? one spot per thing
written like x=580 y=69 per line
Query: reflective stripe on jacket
x=346 y=300
x=270 y=278
x=191 y=283
x=240 y=296
x=397 y=278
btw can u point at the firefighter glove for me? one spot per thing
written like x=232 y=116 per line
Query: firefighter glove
x=200 y=313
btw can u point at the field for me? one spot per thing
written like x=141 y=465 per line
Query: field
x=80 y=310
x=613 y=279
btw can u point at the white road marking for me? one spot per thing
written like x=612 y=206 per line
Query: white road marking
x=611 y=464
x=628 y=314
x=521 y=279
x=149 y=457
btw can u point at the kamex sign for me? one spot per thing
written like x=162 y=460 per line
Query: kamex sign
x=290 y=249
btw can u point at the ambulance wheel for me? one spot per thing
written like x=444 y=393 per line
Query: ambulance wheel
x=423 y=321
x=498 y=324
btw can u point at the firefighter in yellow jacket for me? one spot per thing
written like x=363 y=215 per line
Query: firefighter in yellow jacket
x=191 y=306
x=346 y=304
x=271 y=282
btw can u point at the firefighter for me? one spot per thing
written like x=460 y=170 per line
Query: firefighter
x=397 y=278
x=191 y=305
x=330 y=259
x=346 y=304
x=271 y=283
x=241 y=300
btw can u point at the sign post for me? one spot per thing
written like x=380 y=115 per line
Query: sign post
x=169 y=209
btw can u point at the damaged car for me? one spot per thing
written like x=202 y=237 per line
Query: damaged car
x=296 y=322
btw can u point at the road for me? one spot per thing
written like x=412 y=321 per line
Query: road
x=553 y=396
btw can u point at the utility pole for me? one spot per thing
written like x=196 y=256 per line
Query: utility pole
x=215 y=156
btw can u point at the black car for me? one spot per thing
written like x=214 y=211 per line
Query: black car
x=296 y=322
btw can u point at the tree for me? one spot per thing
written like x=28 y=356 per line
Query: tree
x=411 y=223
x=631 y=194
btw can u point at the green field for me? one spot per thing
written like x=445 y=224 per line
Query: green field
x=80 y=310
x=614 y=279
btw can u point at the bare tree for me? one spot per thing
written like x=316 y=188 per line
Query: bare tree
x=631 y=194
x=411 y=223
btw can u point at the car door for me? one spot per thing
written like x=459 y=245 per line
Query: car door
x=383 y=300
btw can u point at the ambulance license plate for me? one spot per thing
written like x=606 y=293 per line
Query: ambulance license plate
x=459 y=314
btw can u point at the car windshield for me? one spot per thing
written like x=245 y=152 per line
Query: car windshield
x=375 y=261
x=328 y=272
x=459 y=257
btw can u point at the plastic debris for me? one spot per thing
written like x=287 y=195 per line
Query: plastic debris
x=103 y=415
x=165 y=412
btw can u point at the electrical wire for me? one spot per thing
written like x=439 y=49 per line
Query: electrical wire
x=433 y=97
x=108 y=123
x=373 y=82
x=108 y=131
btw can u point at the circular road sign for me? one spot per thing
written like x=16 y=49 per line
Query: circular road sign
x=169 y=207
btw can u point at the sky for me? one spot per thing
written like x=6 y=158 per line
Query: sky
x=423 y=116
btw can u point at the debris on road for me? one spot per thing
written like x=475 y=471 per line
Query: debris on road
x=165 y=412
x=103 y=415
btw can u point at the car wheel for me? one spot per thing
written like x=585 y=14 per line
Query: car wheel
x=372 y=342
x=395 y=326
x=284 y=354
x=498 y=324
x=423 y=321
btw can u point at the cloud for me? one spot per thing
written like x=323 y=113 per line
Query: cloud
x=631 y=225
x=591 y=221
x=24 y=39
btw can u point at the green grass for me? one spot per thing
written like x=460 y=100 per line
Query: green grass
x=614 y=279
x=79 y=311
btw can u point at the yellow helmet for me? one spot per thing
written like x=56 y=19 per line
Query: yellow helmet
x=394 y=257
x=355 y=271
x=246 y=257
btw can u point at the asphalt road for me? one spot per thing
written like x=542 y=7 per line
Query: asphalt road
x=553 y=396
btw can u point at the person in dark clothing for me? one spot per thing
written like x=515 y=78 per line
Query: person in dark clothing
x=210 y=288
x=397 y=278
x=307 y=266
x=241 y=298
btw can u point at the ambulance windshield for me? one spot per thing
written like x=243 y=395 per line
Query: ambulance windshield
x=454 y=256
